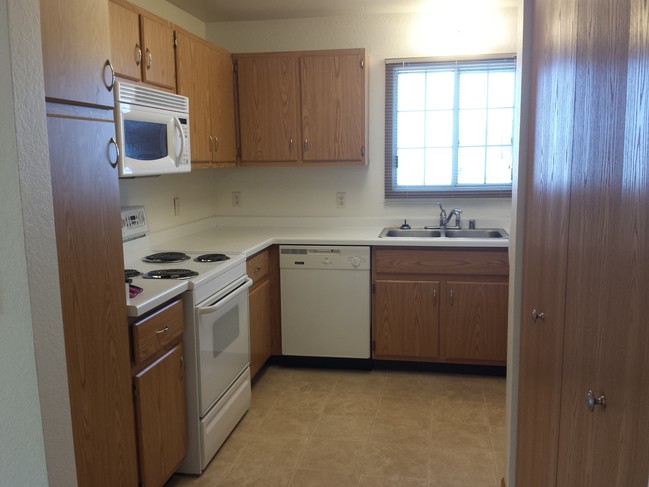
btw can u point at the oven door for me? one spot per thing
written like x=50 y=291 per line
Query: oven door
x=223 y=341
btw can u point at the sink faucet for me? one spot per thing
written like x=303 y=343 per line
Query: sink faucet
x=443 y=219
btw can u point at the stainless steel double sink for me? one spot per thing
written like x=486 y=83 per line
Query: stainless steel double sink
x=390 y=232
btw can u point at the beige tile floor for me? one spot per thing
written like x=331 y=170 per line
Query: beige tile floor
x=332 y=428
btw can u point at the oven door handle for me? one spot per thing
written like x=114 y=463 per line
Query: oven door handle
x=233 y=295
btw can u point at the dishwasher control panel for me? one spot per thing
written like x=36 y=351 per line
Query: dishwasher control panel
x=321 y=257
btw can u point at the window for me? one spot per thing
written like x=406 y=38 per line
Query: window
x=449 y=128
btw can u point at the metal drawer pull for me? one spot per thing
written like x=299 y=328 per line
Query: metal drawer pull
x=537 y=316
x=109 y=82
x=593 y=401
x=113 y=142
x=149 y=58
x=138 y=54
x=164 y=330
x=257 y=269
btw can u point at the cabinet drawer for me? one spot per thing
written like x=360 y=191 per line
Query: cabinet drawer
x=155 y=332
x=488 y=262
x=257 y=266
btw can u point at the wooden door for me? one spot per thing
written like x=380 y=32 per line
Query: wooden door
x=260 y=326
x=193 y=82
x=89 y=246
x=126 y=50
x=76 y=48
x=221 y=91
x=473 y=322
x=606 y=335
x=405 y=323
x=545 y=242
x=160 y=408
x=268 y=108
x=591 y=70
x=158 y=60
x=333 y=110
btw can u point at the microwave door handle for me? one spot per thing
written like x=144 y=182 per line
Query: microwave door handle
x=225 y=300
x=182 y=140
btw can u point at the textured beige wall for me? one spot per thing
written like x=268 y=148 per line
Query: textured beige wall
x=22 y=454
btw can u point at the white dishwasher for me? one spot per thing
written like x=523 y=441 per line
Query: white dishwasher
x=325 y=301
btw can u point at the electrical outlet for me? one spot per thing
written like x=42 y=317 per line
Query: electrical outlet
x=341 y=200
x=176 y=206
x=236 y=199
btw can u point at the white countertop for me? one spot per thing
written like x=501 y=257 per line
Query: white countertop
x=251 y=239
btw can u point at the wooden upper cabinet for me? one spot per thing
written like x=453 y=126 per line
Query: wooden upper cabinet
x=76 y=48
x=333 y=107
x=221 y=92
x=142 y=45
x=205 y=76
x=126 y=47
x=307 y=107
x=158 y=61
x=268 y=108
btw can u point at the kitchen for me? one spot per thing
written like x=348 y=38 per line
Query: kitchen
x=253 y=184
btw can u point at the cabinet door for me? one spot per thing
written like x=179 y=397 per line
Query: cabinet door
x=193 y=82
x=125 y=45
x=160 y=409
x=268 y=108
x=158 y=52
x=405 y=322
x=606 y=334
x=89 y=246
x=260 y=326
x=333 y=107
x=221 y=93
x=76 y=46
x=474 y=322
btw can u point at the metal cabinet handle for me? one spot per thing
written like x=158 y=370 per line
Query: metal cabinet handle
x=257 y=269
x=164 y=330
x=110 y=82
x=537 y=316
x=138 y=54
x=290 y=145
x=451 y=297
x=113 y=142
x=216 y=144
x=306 y=144
x=592 y=401
x=149 y=58
x=211 y=144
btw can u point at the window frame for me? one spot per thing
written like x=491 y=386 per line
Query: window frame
x=392 y=192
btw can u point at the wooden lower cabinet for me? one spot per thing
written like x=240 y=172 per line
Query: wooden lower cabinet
x=259 y=305
x=160 y=417
x=406 y=320
x=159 y=393
x=474 y=315
x=440 y=305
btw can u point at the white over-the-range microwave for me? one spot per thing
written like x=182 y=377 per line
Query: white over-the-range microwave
x=152 y=131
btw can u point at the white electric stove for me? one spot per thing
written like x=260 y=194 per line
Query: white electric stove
x=214 y=288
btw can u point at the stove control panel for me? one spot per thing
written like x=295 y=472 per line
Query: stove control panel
x=134 y=223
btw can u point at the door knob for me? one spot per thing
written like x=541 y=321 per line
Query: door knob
x=537 y=316
x=592 y=401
